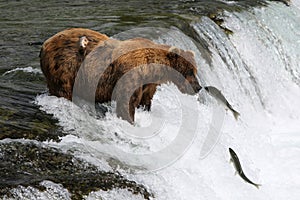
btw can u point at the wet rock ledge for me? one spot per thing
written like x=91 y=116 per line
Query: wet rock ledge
x=28 y=164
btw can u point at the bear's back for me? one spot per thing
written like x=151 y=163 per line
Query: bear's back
x=60 y=58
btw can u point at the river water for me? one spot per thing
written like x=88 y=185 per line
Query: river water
x=52 y=149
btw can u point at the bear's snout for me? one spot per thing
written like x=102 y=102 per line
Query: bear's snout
x=189 y=87
x=192 y=81
x=196 y=87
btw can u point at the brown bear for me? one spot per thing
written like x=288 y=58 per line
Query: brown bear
x=61 y=56
x=129 y=72
x=90 y=65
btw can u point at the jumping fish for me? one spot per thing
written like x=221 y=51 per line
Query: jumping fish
x=237 y=165
x=219 y=96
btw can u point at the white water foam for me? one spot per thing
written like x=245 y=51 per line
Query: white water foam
x=25 y=69
x=52 y=191
x=114 y=194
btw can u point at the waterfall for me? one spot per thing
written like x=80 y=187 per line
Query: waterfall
x=257 y=69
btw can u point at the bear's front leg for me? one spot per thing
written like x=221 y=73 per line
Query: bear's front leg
x=125 y=109
x=148 y=93
x=122 y=110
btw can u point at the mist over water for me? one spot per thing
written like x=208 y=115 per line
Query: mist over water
x=256 y=68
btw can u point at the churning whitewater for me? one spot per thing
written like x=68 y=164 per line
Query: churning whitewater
x=256 y=68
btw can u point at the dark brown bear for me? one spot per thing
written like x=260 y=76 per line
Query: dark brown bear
x=129 y=72
x=61 y=56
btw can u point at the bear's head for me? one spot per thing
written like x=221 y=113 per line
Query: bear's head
x=184 y=63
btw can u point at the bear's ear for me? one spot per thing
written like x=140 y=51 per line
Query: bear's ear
x=83 y=42
x=173 y=52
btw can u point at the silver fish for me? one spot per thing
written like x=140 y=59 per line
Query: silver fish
x=237 y=165
x=219 y=96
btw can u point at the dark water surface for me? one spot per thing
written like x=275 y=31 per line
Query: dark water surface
x=26 y=22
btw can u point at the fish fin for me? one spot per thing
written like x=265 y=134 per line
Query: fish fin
x=230 y=160
x=235 y=173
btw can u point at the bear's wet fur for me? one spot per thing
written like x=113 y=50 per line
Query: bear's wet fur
x=129 y=72
x=139 y=64
x=61 y=56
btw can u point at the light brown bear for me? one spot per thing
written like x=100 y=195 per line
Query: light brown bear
x=129 y=72
x=61 y=56
x=143 y=63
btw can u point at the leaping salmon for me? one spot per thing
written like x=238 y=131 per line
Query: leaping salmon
x=220 y=97
x=237 y=165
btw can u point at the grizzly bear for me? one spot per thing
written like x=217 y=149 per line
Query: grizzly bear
x=129 y=72
x=89 y=65
x=61 y=56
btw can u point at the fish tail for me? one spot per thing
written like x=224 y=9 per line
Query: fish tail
x=257 y=186
x=235 y=114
